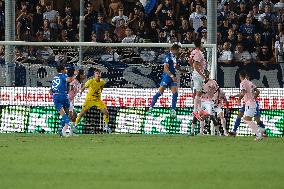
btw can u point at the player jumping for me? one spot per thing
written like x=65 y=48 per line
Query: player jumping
x=169 y=77
x=248 y=93
x=198 y=63
x=209 y=89
x=93 y=98
x=60 y=97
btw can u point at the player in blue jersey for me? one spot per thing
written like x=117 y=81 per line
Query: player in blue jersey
x=169 y=77
x=60 y=97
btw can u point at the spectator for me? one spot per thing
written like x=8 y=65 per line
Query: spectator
x=135 y=17
x=241 y=56
x=46 y=31
x=130 y=37
x=153 y=32
x=69 y=14
x=100 y=27
x=114 y=7
x=2 y=21
x=265 y=57
x=72 y=34
x=255 y=12
x=107 y=38
x=248 y=29
x=90 y=19
x=163 y=36
x=195 y=17
x=231 y=38
x=37 y=19
x=267 y=32
x=188 y=38
x=226 y=11
x=116 y=20
x=120 y=30
x=169 y=23
x=52 y=16
x=266 y=2
x=24 y=22
x=94 y=38
x=226 y=55
x=64 y=36
x=162 y=12
x=225 y=26
x=202 y=26
x=204 y=36
x=183 y=9
x=267 y=14
x=279 y=48
x=98 y=6
x=142 y=31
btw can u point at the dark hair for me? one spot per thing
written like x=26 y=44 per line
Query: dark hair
x=197 y=42
x=97 y=70
x=78 y=77
x=60 y=68
x=243 y=73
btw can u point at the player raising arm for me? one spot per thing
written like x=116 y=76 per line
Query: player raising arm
x=60 y=97
x=169 y=77
x=93 y=98
x=198 y=63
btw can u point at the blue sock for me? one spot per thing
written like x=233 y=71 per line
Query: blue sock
x=174 y=100
x=155 y=98
x=237 y=124
x=65 y=119
x=260 y=124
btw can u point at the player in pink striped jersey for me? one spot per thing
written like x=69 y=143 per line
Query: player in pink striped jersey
x=248 y=93
x=198 y=63
x=209 y=89
x=219 y=98
x=74 y=88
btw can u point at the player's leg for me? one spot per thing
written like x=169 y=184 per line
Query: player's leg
x=86 y=106
x=221 y=116
x=106 y=120
x=248 y=115
x=197 y=85
x=157 y=95
x=174 y=90
x=260 y=124
x=193 y=123
x=238 y=121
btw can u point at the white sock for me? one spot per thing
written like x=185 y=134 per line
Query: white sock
x=201 y=127
x=196 y=103
x=223 y=122
x=253 y=127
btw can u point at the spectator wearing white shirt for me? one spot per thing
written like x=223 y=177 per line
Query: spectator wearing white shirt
x=279 y=48
x=51 y=15
x=130 y=38
x=265 y=2
x=226 y=55
x=115 y=20
x=195 y=17
x=241 y=56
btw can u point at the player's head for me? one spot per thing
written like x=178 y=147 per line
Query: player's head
x=61 y=69
x=243 y=75
x=175 y=48
x=81 y=76
x=97 y=73
x=197 y=43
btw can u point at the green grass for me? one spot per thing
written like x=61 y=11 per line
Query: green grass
x=139 y=161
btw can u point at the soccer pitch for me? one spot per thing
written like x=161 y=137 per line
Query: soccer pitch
x=139 y=161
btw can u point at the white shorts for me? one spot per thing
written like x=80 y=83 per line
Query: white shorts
x=250 y=109
x=207 y=106
x=71 y=107
x=197 y=80
x=218 y=110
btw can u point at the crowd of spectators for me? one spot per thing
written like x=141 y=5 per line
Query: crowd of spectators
x=249 y=31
